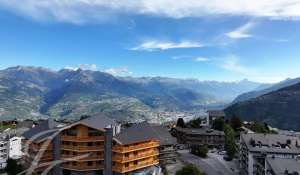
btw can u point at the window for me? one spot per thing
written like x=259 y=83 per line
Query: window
x=90 y=163
x=90 y=143
x=126 y=155
x=126 y=164
x=135 y=162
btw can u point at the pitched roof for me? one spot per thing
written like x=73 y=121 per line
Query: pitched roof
x=280 y=165
x=164 y=136
x=99 y=122
x=143 y=132
x=44 y=126
x=271 y=143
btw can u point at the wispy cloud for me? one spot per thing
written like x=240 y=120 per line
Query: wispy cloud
x=92 y=67
x=83 y=11
x=119 y=71
x=179 y=57
x=155 y=45
x=201 y=59
x=232 y=64
x=241 y=32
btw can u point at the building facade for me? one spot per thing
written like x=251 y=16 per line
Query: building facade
x=199 y=137
x=256 y=148
x=15 y=147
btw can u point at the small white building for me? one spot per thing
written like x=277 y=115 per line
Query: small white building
x=3 y=154
x=15 y=147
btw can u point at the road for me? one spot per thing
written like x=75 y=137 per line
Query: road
x=211 y=165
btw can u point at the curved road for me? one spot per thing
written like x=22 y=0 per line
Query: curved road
x=210 y=165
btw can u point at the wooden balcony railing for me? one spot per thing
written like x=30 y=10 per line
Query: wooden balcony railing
x=79 y=148
x=132 y=157
x=82 y=167
x=123 y=149
x=82 y=139
x=123 y=169
x=92 y=157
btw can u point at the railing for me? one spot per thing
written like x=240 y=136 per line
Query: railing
x=130 y=148
x=91 y=157
x=82 y=167
x=141 y=155
x=82 y=139
x=82 y=148
x=123 y=169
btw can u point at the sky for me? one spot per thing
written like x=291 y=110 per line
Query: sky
x=201 y=39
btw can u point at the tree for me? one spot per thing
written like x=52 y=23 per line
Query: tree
x=258 y=127
x=218 y=124
x=195 y=123
x=189 y=170
x=180 y=123
x=200 y=151
x=235 y=122
x=12 y=167
x=230 y=146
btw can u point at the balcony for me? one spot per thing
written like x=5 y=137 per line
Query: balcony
x=82 y=139
x=82 y=167
x=82 y=148
x=140 y=165
x=140 y=155
x=92 y=157
x=124 y=149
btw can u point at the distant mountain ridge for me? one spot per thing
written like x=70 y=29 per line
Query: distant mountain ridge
x=33 y=92
x=265 y=89
x=280 y=108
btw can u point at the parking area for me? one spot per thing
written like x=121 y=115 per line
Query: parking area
x=214 y=164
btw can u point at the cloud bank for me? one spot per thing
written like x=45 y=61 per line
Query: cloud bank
x=82 y=11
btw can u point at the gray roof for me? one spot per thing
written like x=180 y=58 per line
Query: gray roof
x=280 y=165
x=271 y=143
x=144 y=132
x=99 y=122
x=200 y=131
x=44 y=126
x=163 y=135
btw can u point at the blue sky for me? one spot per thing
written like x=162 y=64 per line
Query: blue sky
x=204 y=39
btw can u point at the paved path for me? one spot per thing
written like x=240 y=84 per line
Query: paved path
x=210 y=165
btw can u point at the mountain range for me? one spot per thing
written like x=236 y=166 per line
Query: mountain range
x=277 y=105
x=34 y=92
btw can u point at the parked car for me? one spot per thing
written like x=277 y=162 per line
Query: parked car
x=222 y=152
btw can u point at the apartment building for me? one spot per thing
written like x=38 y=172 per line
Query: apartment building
x=256 y=149
x=39 y=144
x=85 y=145
x=135 y=148
x=97 y=145
x=200 y=136
x=167 y=145
x=3 y=153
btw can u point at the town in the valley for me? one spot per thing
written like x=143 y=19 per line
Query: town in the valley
x=211 y=144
